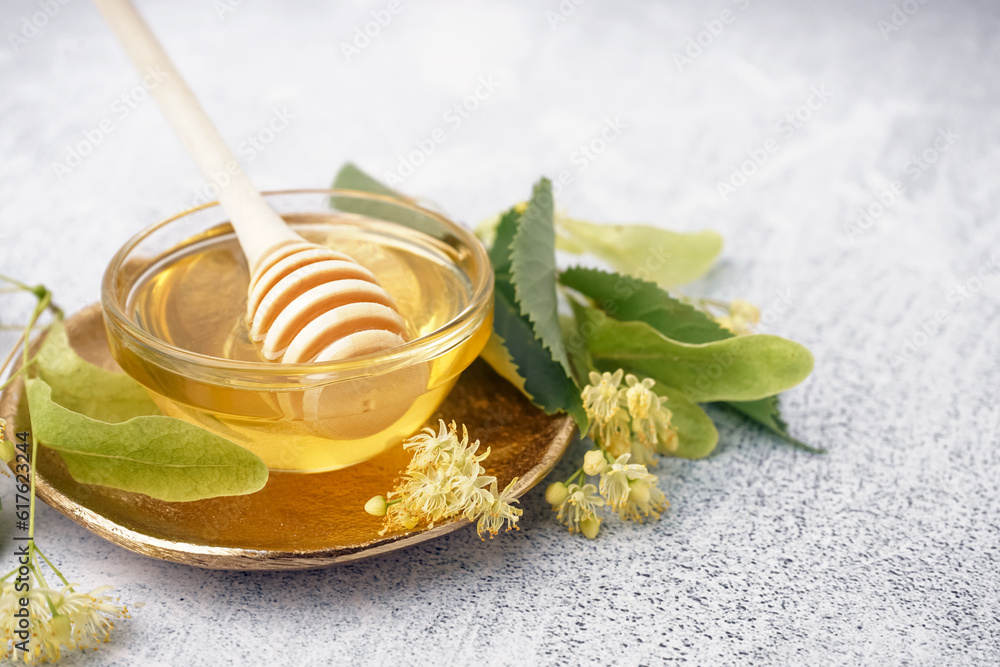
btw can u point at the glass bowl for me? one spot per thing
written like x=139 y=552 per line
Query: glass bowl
x=174 y=296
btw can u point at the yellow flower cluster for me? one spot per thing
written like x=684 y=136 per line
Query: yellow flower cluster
x=742 y=319
x=627 y=422
x=576 y=506
x=56 y=620
x=445 y=478
x=631 y=490
x=630 y=419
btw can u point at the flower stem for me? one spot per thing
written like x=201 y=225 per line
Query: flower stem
x=44 y=301
x=52 y=567
x=16 y=283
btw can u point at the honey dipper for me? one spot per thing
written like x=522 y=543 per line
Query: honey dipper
x=306 y=303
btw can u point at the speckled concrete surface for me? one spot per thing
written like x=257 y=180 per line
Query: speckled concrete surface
x=883 y=552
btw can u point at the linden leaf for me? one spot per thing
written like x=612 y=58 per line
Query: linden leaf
x=665 y=257
x=576 y=349
x=83 y=387
x=351 y=178
x=541 y=378
x=765 y=412
x=745 y=368
x=630 y=299
x=108 y=430
x=162 y=457
x=500 y=252
x=533 y=271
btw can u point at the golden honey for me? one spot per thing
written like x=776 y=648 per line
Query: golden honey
x=192 y=298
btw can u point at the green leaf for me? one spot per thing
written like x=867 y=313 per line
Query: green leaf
x=109 y=431
x=533 y=271
x=83 y=387
x=500 y=252
x=576 y=350
x=667 y=258
x=162 y=457
x=745 y=368
x=351 y=178
x=630 y=299
x=696 y=434
x=543 y=379
x=765 y=412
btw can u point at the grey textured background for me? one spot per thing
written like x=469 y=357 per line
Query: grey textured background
x=883 y=552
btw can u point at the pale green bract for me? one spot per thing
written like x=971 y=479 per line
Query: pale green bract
x=696 y=433
x=663 y=257
x=629 y=299
x=745 y=368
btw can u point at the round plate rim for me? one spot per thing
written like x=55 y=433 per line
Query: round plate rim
x=239 y=558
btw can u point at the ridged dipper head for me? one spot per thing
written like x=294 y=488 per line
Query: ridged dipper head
x=311 y=304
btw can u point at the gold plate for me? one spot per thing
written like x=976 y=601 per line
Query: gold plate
x=296 y=521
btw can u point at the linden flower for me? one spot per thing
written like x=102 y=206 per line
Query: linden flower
x=601 y=398
x=443 y=479
x=429 y=447
x=641 y=453
x=651 y=422
x=580 y=507
x=644 y=499
x=89 y=614
x=594 y=462
x=500 y=510
x=57 y=619
x=615 y=435
x=743 y=317
x=631 y=489
x=628 y=420
x=43 y=645
x=668 y=441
